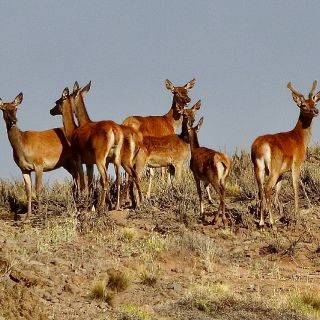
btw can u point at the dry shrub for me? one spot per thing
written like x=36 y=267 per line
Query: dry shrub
x=117 y=280
x=99 y=291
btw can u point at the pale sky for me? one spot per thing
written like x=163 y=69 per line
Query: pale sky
x=242 y=54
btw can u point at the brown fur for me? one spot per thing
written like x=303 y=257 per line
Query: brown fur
x=38 y=151
x=132 y=138
x=169 y=151
x=205 y=164
x=274 y=154
x=93 y=143
x=168 y=123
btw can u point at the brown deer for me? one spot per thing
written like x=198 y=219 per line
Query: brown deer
x=169 y=151
x=274 y=154
x=156 y=126
x=36 y=151
x=211 y=167
x=132 y=138
x=167 y=124
x=94 y=142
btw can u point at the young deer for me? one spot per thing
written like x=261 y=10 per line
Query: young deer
x=169 y=151
x=37 y=151
x=209 y=166
x=94 y=143
x=132 y=138
x=274 y=154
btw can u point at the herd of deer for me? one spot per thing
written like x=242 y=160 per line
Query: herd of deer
x=151 y=142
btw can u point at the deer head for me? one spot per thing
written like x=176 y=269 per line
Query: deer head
x=180 y=94
x=307 y=106
x=58 y=108
x=189 y=114
x=10 y=110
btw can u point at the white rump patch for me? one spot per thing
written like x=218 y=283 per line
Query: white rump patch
x=220 y=170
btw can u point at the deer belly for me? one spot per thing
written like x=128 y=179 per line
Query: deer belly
x=157 y=161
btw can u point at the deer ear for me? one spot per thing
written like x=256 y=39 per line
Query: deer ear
x=198 y=126
x=190 y=84
x=1 y=104
x=297 y=99
x=169 y=85
x=76 y=86
x=18 y=99
x=197 y=105
x=65 y=93
x=85 y=89
x=316 y=97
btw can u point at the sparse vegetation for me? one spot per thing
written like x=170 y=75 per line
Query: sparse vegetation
x=161 y=260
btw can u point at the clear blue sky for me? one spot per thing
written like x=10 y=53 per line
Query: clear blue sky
x=242 y=53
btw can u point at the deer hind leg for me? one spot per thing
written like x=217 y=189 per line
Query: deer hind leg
x=198 y=185
x=207 y=186
x=117 y=168
x=151 y=174
x=104 y=184
x=259 y=170
x=27 y=185
x=219 y=188
x=89 y=177
x=273 y=178
x=277 y=202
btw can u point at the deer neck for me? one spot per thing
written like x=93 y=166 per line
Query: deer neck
x=81 y=112
x=184 y=130
x=194 y=142
x=173 y=116
x=16 y=139
x=303 y=128
x=68 y=121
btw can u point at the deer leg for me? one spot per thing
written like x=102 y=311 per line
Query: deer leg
x=89 y=177
x=118 y=182
x=207 y=187
x=104 y=184
x=27 y=185
x=277 y=202
x=38 y=184
x=295 y=183
x=273 y=178
x=197 y=180
x=151 y=174
x=259 y=173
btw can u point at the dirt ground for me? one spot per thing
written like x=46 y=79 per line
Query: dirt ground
x=168 y=265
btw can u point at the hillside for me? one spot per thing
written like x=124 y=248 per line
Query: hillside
x=160 y=261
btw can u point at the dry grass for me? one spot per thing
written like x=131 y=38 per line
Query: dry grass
x=224 y=273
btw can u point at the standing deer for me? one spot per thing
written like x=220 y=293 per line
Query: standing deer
x=274 y=154
x=132 y=138
x=94 y=143
x=169 y=151
x=211 y=167
x=36 y=151
x=167 y=124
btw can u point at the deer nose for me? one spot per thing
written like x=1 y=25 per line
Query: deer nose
x=316 y=111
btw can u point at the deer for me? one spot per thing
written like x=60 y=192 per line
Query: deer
x=211 y=167
x=170 y=151
x=132 y=138
x=93 y=143
x=37 y=151
x=274 y=154
x=168 y=123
